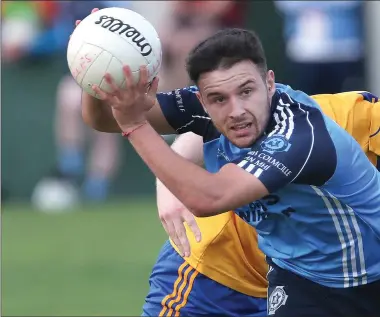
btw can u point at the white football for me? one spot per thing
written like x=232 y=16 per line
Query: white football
x=54 y=196
x=107 y=40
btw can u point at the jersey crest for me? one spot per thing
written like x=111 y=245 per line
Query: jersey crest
x=277 y=299
x=275 y=143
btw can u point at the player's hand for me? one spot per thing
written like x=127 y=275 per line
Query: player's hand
x=131 y=103
x=173 y=214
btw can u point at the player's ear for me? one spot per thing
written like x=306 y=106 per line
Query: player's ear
x=271 y=84
x=199 y=96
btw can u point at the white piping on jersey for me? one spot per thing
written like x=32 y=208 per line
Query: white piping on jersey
x=192 y=121
x=291 y=116
x=291 y=124
x=334 y=212
x=350 y=239
x=258 y=172
x=287 y=121
x=360 y=244
x=201 y=117
x=351 y=214
x=340 y=235
x=242 y=163
x=251 y=167
x=311 y=145
x=184 y=126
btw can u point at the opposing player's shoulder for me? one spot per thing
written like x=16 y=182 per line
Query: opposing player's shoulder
x=341 y=106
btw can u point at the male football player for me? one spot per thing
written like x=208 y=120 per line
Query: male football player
x=358 y=112
x=278 y=162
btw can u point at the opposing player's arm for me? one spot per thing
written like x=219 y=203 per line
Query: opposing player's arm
x=97 y=115
x=183 y=113
x=292 y=153
x=173 y=214
x=190 y=147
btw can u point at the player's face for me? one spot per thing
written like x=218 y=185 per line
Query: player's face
x=238 y=101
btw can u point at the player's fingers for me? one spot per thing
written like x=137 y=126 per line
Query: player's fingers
x=142 y=84
x=114 y=88
x=182 y=237
x=108 y=98
x=170 y=230
x=165 y=227
x=94 y=10
x=102 y=95
x=153 y=88
x=190 y=220
x=128 y=77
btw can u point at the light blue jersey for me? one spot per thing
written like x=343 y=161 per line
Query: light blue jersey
x=321 y=219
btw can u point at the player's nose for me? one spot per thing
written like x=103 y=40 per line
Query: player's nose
x=236 y=109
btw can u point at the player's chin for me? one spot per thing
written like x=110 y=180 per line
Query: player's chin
x=242 y=141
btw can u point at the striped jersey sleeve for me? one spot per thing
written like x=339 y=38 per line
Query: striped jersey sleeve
x=183 y=111
x=297 y=148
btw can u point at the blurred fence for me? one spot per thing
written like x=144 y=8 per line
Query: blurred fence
x=28 y=105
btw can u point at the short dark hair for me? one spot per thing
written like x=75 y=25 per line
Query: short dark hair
x=224 y=49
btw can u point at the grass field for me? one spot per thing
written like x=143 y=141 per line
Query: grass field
x=94 y=261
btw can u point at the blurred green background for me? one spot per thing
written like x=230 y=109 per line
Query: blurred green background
x=92 y=261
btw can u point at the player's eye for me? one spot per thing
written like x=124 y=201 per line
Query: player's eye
x=246 y=92
x=219 y=99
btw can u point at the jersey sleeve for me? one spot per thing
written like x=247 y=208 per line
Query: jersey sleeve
x=183 y=111
x=298 y=149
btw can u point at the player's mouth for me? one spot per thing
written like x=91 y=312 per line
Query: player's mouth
x=241 y=129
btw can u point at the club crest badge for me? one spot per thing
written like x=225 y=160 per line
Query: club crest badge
x=276 y=299
x=275 y=143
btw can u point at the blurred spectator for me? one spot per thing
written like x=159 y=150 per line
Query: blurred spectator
x=185 y=25
x=70 y=132
x=41 y=28
x=22 y=25
x=71 y=136
x=324 y=44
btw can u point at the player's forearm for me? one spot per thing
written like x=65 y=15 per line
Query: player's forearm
x=203 y=193
x=196 y=188
x=98 y=115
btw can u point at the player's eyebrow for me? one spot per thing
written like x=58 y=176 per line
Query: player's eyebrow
x=212 y=94
x=248 y=81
